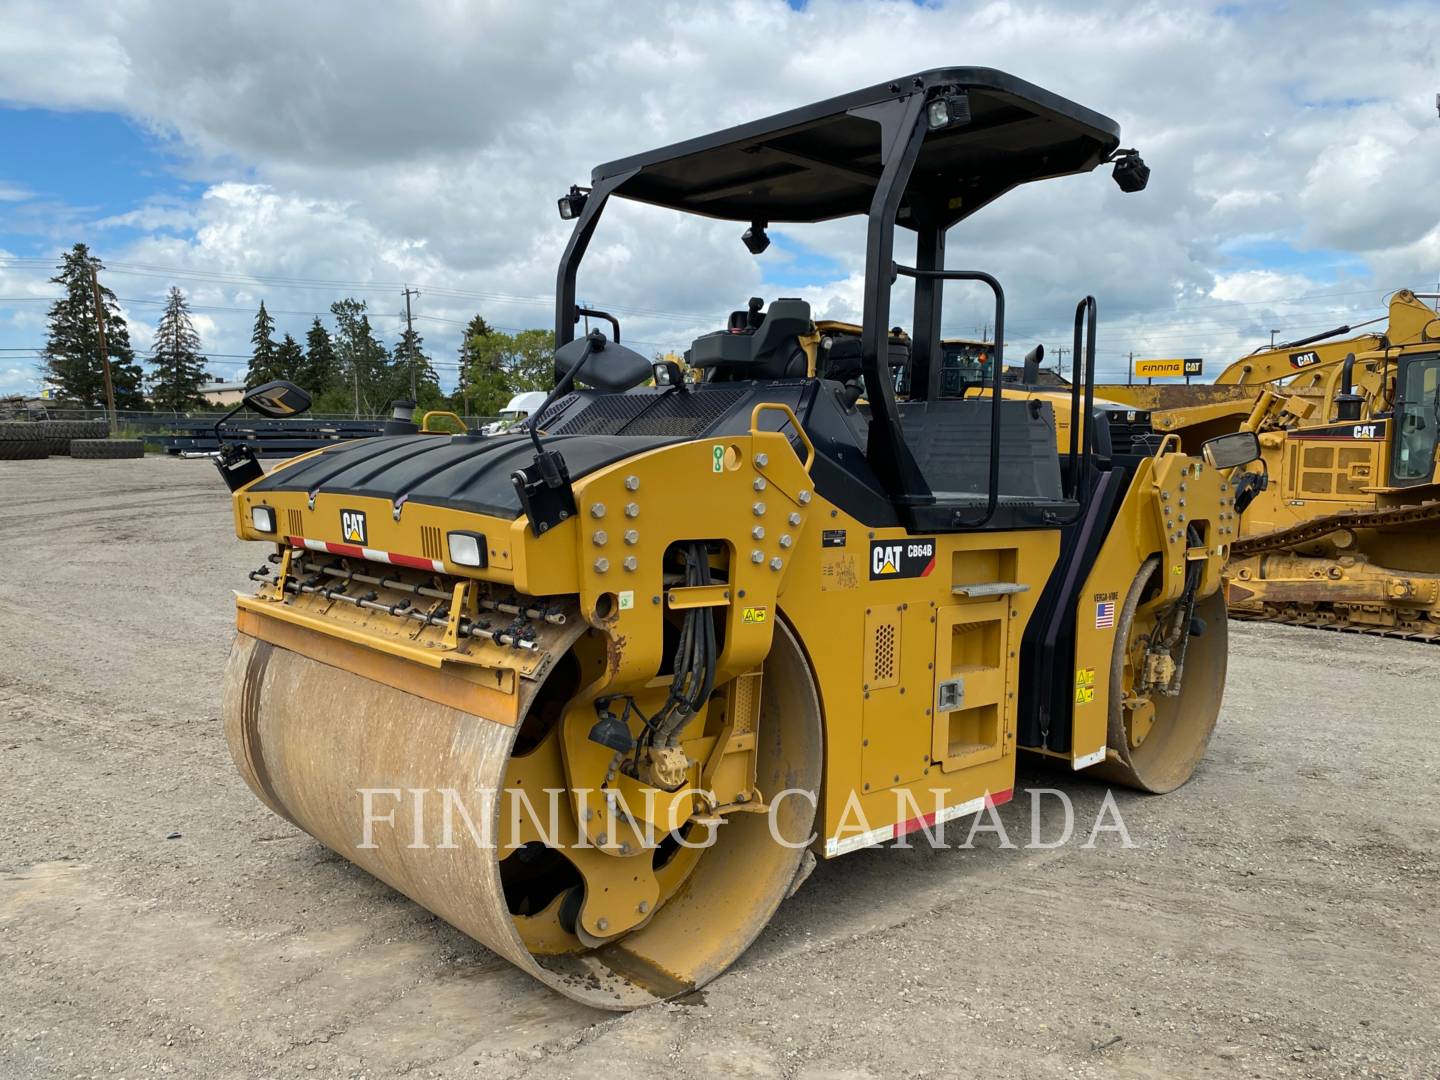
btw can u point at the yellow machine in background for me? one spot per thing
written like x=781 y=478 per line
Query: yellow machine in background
x=599 y=691
x=1344 y=530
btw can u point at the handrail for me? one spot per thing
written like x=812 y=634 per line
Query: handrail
x=595 y=313
x=780 y=406
x=1085 y=312
x=425 y=421
x=998 y=353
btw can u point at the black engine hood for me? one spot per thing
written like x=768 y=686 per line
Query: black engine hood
x=469 y=474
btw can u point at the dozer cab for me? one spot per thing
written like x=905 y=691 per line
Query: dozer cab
x=1342 y=530
x=598 y=692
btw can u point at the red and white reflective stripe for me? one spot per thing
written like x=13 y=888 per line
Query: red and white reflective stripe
x=836 y=846
x=350 y=551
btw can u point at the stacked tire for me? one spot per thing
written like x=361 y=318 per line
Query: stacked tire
x=58 y=434
x=22 y=441
x=108 y=449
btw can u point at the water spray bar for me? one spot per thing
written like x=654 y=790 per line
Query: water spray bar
x=555 y=618
x=403 y=610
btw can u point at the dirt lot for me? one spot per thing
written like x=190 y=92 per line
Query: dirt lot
x=1277 y=917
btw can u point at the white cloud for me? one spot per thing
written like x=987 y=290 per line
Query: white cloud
x=353 y=144
x=1260 y=286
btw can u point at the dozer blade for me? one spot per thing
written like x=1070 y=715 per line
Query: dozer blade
x=312 y=738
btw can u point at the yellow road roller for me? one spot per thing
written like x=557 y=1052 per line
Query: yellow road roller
x=599 y=691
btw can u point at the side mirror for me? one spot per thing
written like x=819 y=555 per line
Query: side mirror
x=278 y=399
x=1233 y=450
x=1032 y=364
x=612 y=367
x=668 y=373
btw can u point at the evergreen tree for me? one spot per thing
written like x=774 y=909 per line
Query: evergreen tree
x=179 y=369
x=363 y=360
x=72 y=352
x=290 y=360
x=262 y=358
x=472 y=345
x=410 y=351
x=321 y=372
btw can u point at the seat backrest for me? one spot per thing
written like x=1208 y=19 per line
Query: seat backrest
x=773 y=351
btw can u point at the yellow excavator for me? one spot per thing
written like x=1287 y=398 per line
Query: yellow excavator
x=599 y=692
x=1342 y=530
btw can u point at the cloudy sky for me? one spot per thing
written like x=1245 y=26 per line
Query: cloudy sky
x=297 y=153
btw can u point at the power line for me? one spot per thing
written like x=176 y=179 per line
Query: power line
x=373 y=287
x=243 y=278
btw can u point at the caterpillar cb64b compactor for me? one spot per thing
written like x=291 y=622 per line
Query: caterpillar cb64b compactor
x=599 y=691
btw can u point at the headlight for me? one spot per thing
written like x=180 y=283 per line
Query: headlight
x=262 y=518
x=467 y=548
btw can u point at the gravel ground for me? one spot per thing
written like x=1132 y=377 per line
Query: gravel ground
x=1275 y=919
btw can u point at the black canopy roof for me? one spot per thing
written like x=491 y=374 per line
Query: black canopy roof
x=822 y=161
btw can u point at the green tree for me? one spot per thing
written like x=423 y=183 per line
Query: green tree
x=363 y=360
x=263 y=368
x=409 y=352
x=290 y=359
x=497 y=366
x=533 y=366
x=72 y=350
x=321 y=372
x=178 y=370
x=472 y=344
x=481 y=380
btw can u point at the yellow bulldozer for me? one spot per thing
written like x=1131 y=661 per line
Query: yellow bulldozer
x=1343 y=532
x=598 y=692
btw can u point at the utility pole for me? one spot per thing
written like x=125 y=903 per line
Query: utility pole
x=1130 y=374
x=104 y=349
x=1060 y=360
x=410 y=339
x=1272 y=337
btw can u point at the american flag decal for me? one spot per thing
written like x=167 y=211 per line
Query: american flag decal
x=1104 y=614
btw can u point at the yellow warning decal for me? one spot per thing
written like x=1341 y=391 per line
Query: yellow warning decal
x=755 y=615
x=1084 y=685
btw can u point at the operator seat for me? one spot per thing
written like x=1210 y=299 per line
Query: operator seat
x=756 y=347
x=839 y=359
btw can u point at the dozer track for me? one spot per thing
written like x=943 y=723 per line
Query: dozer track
x=1319 y=528
x=1338 y=615
x=1316 y=620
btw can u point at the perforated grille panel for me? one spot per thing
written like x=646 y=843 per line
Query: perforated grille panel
x=882 y=649
x=558 y=409
x=647 y=414
x=296 y=521
x=884 y=660
x=430 y=542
